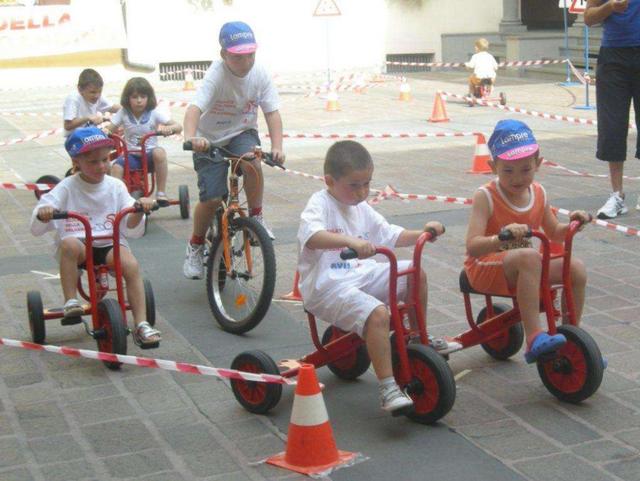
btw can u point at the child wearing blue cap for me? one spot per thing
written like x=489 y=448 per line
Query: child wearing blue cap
x=224 y=113
x=516 y=202
x=93 y=193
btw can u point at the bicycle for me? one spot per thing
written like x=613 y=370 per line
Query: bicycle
x=239 y=255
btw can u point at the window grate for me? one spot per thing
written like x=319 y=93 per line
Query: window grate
x=176 y=70
x=409 y=57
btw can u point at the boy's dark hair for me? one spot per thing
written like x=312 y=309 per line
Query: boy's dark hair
x=345 y=157
x=138 y=85
x=89 y=77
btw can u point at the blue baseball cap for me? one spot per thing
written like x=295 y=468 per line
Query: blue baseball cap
x=512 y=140
x=86 y=139
x=237 y=37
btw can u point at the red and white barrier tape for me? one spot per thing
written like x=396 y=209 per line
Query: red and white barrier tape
x=554 y=165
x=384 y=135
x=534 y=113
x=30 y=114
x=12 y=186
x=151 y=363
x=603 y=223
x=40 y=135
x=516 y=63
x=389 y=192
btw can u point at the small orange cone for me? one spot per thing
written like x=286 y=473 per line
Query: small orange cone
x=189 y=83
x=405 y=90
x=481 y=157
x=294 y=295
x=332 y=102
x=439 y=113
x=311 y=448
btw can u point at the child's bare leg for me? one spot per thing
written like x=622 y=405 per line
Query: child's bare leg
x=523 y=268
x=159 y=158
x=133 y=279
x=72 y=253
x=376 y=336
x=578 y=284
x=117 y=171
x=253 y=183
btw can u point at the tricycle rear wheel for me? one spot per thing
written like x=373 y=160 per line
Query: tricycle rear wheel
x=507 y=343
x=351 y=366
x=256 y=397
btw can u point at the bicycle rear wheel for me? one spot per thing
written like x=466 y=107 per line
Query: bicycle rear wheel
x=240 y=298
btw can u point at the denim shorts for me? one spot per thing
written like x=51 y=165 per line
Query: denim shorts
x=212 y=176
x=135 y=161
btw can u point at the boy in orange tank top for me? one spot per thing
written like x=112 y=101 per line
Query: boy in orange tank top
x=515 y=202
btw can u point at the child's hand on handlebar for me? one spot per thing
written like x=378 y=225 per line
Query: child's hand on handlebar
x=583 y=217
x=200 y=144
x=278 y=156
x=165 y=130
x=518 y=231
x=147 y=204
x=96 y=119
x=45 y=213
x=434 y=226
x=363 y=248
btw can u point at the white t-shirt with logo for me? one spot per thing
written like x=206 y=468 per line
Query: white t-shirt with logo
x=322 y=271
x=76 y=107
x=100 y=202
x=229 y=104
x=136 y=128
x=483 y=65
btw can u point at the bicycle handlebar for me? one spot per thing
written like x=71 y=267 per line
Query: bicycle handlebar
x=506 y=235
x=266 y=157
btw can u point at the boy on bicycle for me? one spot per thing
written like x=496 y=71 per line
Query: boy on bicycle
x=93 y=193
x=224 y=113
x=352 y=295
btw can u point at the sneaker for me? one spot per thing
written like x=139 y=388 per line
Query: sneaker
x=193 y=267
x=445 y=345
x=638 y=203
x=72 y=308
x=613 y=207
x=393 y=399
x=262 y=222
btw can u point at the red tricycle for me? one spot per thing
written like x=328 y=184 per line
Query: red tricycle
x=572 y=373
x=483 y=91
x=108 y=316
x=141 y=182
x=418 y=369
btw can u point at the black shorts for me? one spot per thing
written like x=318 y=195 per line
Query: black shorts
x=212 y=176
x=617 y=84
x=99 y=256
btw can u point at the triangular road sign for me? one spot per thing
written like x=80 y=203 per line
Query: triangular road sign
x=326 y=8
x=578 y=6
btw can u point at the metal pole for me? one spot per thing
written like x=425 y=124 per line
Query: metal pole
x=329 y=55
x=586 y=64
x=566 y=39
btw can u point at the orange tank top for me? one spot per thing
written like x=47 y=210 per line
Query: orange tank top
x=503 y=212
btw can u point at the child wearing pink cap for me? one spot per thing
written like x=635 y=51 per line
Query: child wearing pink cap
x=514 y=201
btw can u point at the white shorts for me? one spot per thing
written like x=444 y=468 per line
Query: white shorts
x=348 y=309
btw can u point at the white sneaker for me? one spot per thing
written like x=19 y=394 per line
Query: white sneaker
x=262 y=222
x=613 y=207
x=638 y=203
x=193 y=267
x=72 y=308
x=392 y=398
x=445 y=345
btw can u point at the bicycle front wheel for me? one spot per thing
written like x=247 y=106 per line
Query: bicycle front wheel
x=240 y=298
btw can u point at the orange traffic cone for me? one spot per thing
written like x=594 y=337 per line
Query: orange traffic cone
x=439 y=113
x=405 y=90
x=311 y=448
x=189 y=83
x=481 y=157
x=332 y=102
x=360 y=86
x=294 y=295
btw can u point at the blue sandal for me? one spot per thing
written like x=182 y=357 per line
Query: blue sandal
x=543 y=343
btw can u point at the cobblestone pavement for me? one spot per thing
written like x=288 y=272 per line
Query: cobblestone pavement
x=71 y=419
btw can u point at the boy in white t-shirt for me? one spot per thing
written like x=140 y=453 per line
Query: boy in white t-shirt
x=100 y=197
x=86 y=106
x=224 y=113
x=352 y=295
x=484 y=65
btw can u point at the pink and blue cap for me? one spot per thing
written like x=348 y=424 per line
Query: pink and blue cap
x=512 y=140
x=86 y=139
x=238 y=38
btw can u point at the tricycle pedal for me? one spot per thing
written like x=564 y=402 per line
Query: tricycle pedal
x=70 y=321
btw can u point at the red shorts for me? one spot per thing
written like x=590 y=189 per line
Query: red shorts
x=486 y=274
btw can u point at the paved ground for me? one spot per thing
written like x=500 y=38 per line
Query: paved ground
x=71 y=419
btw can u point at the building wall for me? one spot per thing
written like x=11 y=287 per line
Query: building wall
x=416 y=30
x=289 y=37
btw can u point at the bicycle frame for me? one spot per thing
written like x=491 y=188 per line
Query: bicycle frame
x=131 y=180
